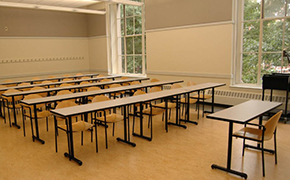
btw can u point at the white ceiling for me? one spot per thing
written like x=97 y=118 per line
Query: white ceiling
x=62 y=3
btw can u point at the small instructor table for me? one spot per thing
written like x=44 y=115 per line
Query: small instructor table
x=241 y=114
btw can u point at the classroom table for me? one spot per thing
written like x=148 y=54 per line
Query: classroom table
x=48 y=85
x=52 y=99
x=22 y=93
x=240 y=114
x=122 y=102
x=49 y=79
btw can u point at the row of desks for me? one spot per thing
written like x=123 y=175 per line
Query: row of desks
x=125 y=103
x=56 y=89
x=50 y=79
x=52 y=84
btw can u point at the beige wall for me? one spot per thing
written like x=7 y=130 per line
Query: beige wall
x=41 y=23
x=42 y=56
x=194 y=53
x=172 y=13
x=98 y=54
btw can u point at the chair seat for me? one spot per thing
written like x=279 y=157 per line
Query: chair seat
x=79 y=126
x=169 y=105
x=155 y=111
x=111 y=118
x=250 y=133
x=42 y=114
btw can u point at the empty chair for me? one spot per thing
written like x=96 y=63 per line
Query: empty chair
x=8 y=103
x=260 y=133
x=94 y=88
x=24 y=84
x=106 y=80
x=85 y=88
x=200 y=97
x=104 y=117
x=9 y=81
x=79 y=126
x=150 y=112
x=116 y=94
x=28 y=112
x=43 y=94
x=126 y=83
x=53 y=78
x=48 y=84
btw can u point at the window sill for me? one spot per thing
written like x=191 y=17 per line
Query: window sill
x=247 y=86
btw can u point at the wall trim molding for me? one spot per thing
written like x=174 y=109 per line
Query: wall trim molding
x=31 y=37
x=190 y=74
x=98 y=37
x=190 y=26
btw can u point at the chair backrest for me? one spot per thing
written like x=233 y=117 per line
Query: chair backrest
x=93 y=88
x=64 y=104
x=100 y=98
x=46 y=82
x=85 y=77
x=68 y=79
x=16 y=98
x=24 y=84
x=175 y=86
x=65 y=84
x=66 y=75
x=271 y=124
x=191 y=83
x=2 y=86
x=135 y=82
x=33 y=96
x=79 y=74
x=155 y=89
x=85 y=82
x=39 y=88
x=8 y=81
x=100 y=75
x=115 y=85
x=154 y=80
x=63 y=92
x=139 y=92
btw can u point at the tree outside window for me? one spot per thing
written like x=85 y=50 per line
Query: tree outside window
x=265 y=34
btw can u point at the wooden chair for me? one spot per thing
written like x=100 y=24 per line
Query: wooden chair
x=199 y=97
x=260 y=134
x=24 y=84
x=116 y=94
x=106 y=116
x=148 y=111
x=28 y=112
x=79 y=126
x=8 y=103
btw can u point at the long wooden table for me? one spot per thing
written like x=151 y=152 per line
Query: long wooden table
x=49 y=79
x=52 y=99
x=67 y=113
x=51 y=84
x=23 y=93
x=241 y=114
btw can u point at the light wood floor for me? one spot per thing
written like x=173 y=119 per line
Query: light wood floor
x=180 y=154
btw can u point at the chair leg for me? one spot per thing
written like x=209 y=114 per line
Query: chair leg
x=55 y=133
x=9 y=116
x=82 y=137
x=46 y=123
x=244 y=142
x=275 y=147
x=263 y=159
x=23 y=121
x=96 y=137
x=113 y=129
x=150 y=117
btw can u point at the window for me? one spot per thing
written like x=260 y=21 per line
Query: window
x=131 y=39
x=264 y=32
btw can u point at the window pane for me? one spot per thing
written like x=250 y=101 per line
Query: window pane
x=137 y=10
x=129 y=45
x=252 y=9
x=138 y=64
x=123 y=65
x=129 y=10
x=250 y=68
x=270 y=63
x=251 y=36
x=130 y=64
x=129 y=26
x=121 y=11
x=287 y=35
x=138 y=44
x=288 y=8
x=122 y=27
x=138 y=25
x=274 y=8
x=272 y=35
x=123 y=50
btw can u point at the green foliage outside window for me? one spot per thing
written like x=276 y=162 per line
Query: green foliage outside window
x=275 y=26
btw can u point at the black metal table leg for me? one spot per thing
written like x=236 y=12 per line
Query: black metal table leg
x=187 y=111
x=70 y=155
x=228 y=168
x=14 y=113
x=126 y=128
x=177 y=116
x=36 y=127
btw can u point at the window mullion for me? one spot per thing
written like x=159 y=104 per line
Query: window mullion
x=260 y=44
x=125 y=39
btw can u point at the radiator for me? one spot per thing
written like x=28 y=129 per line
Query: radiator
x=226 y=97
